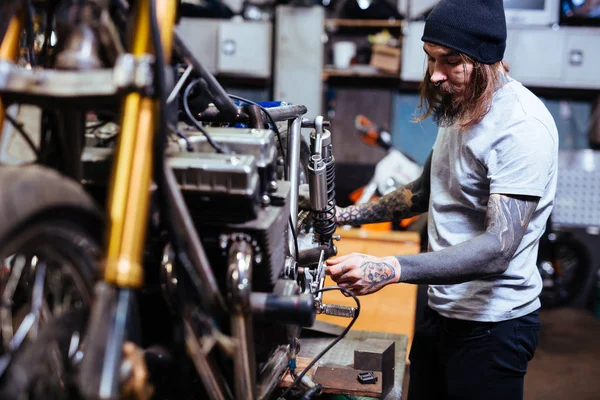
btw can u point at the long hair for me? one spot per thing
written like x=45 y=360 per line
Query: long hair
x=474 y=103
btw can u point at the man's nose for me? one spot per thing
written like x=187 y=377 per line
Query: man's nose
x=437 y=77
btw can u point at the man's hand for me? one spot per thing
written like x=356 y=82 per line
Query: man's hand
x=363 y=274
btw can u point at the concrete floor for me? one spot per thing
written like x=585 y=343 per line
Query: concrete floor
x=567 y=361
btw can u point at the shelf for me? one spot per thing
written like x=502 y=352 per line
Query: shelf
x=364 y=23
x=331 y=72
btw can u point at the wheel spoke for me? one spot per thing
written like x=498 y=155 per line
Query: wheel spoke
x=37 y=295
x=7 y=298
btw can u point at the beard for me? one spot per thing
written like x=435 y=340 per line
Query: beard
x=449 y=106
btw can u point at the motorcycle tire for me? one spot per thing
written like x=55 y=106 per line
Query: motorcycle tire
x=575 y=263
x=47 y=219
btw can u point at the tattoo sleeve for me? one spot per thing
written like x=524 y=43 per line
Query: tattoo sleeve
x=377 y=273
x=484 y=255
x=406 y=201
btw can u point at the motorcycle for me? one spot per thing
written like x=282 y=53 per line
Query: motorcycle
x=155 y=248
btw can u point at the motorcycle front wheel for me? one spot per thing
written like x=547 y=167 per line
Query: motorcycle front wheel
x=49 y=255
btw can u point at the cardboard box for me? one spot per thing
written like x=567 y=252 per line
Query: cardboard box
x=386 y=58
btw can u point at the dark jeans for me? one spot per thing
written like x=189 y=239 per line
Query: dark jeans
x=468 y=360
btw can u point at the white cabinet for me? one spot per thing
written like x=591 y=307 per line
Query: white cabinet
x=241 y=48
x=414 y=61
x=582 y=58
x=533 y=56
x=567 y=57
x=244 y=48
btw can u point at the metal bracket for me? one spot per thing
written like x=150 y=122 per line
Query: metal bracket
x=36 y=86
x=136 y=73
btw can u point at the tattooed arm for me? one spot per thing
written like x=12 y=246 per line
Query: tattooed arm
x=487 y=254
x=406 y=201
x=363 y=274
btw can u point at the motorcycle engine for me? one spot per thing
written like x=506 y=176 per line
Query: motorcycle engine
x=236 y=197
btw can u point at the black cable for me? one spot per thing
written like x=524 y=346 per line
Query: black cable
x=196 y=123
x=334 y=342
x=274 y=127
x=23 y=134
x=183 y=136
x=312 y=392
x=293 y=228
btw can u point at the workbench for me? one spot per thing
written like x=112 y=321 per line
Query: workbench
x=393 y=308
x=341 y=358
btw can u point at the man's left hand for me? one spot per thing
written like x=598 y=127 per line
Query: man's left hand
x=362 y=273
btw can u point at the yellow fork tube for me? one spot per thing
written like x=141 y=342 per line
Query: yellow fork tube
x=129 y=193
x=9 y=50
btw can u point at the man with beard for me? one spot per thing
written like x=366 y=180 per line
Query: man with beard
x=488 y=185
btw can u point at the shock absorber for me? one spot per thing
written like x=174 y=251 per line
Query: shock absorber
x=321 y=171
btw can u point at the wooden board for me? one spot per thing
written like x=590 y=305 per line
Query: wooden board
x=344 y=381
x=371 y=23
x=301 y=363
x=390 y=310
x=335 y=380
x=357 y=73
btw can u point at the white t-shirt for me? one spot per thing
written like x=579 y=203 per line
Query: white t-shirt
x=514 y=150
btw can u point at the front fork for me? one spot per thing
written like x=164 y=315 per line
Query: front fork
x=128 y=205
x=9 y=51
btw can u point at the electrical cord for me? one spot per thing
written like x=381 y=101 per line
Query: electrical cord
x=272 y=123
x=196 y=123
x=293 y=228
x=312 y=392
x=188 y=144
x=23 y=134
x=333 y=343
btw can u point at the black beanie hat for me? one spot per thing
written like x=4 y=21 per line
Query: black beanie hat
x=476 y=28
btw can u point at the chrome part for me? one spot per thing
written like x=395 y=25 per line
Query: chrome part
x=110 y=377
x=240 y=286
x=286 y=112
x=168 y=278
x=43 y=85
x=234 y=175
x=6 y=319
x=336 y=310
x=290 y=269
x=37 y=295
x=133 y=72
x=98 y=372
x=317 y=181
x=272 y=372
x=73 y=345
x=259 y=143
x=321 y=171
x=81 y=51
x=320 y=277
x=294 y=132
x=318 y=134
x=179 y=84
